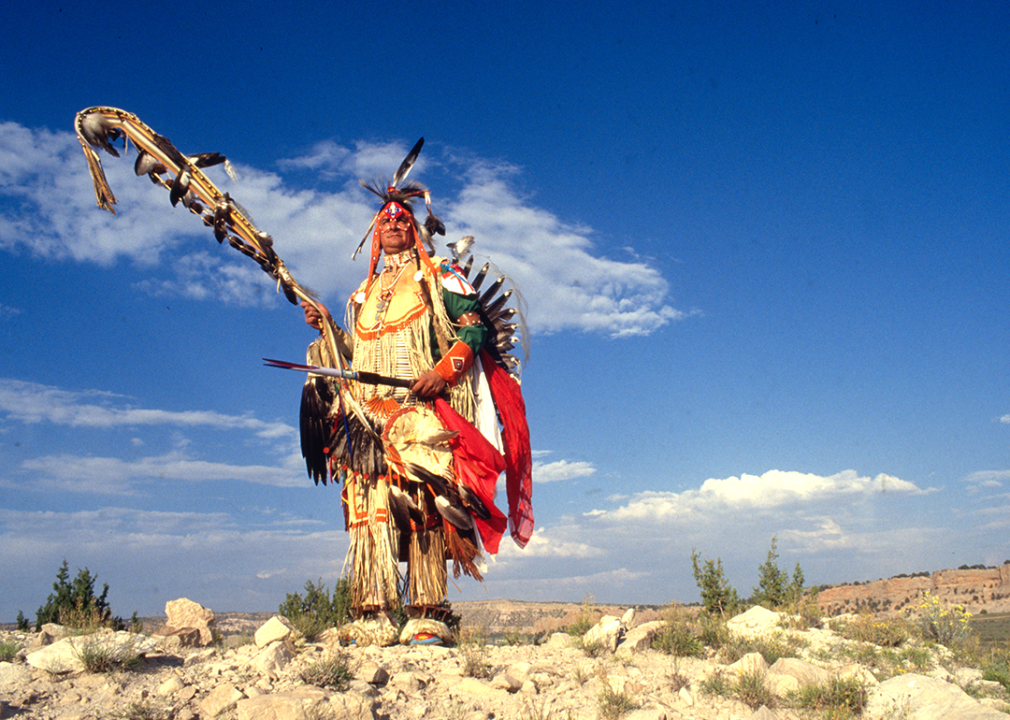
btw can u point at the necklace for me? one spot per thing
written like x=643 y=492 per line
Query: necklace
x=397 y=263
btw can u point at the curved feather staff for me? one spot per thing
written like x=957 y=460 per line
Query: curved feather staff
x=183 y=177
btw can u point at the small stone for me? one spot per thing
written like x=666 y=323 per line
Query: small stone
x=685 y=696
x=373 y=673
x=171 y=686
x=504 y=681
x=472 y=686
x=222 y=698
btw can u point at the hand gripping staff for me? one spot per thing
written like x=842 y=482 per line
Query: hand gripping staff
x=183 y=177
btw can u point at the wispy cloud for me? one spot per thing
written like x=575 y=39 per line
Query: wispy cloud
x=987 y=479
x=561 y=470
x=116 y=476
x=43 y=177
x=33 y=403
x=213 y=557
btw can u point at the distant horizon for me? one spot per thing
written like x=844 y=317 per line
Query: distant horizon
x=693 y=603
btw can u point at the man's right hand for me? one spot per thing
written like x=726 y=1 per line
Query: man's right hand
x=313 y=317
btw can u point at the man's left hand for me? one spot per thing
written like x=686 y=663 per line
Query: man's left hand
x=429 y=385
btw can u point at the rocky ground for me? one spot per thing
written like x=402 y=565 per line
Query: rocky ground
x=264 y=675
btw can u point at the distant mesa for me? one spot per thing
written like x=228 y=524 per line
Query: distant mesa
x=978 y=588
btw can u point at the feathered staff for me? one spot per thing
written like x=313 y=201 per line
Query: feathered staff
x=183 y=177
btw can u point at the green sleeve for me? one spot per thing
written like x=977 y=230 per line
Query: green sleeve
x=456 y=305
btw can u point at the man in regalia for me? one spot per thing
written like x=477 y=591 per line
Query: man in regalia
x=419 y=460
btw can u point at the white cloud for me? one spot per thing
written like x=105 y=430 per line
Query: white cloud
x=149 y=557
x=115 y=476
x=32 y=403
x=987 y=479
x=7 y=311
x=51 y=212
x=1005 y=419
x=558 y=542
x=770 y=491
x=561 y=470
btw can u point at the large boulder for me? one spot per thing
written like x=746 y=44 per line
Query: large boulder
x=306 y=702
x=917 y=697
x=606 y=633
x=274 y=629
x=755 y=622
x=185 y=614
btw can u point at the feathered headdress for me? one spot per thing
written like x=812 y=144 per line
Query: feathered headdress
x=397 y=199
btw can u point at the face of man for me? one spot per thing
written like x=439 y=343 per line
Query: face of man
x=394 y=231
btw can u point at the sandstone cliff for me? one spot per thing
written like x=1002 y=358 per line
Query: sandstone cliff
x=977 y=590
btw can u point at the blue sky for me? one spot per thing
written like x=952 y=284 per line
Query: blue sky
x=763 y=246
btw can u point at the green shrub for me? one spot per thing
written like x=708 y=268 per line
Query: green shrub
x=614 y=704
x=880 y=631
x=947 y=626
x=98 y=654
x=718 y=684
x=74 y=604
x=770 y=648
x=317 y=611
x=515 y=638
x=837 y=694
x=773 y=584
x=679 y=636
x=713 y=631
x=751 y=690
x=8 y=650
x=717 y=595
x=585 y=620
x=332 y=671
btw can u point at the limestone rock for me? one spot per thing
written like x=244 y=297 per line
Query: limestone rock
x=174 y=639
x=471 y=686
x=859 y=672
x=607 y=632
x=640 y=638
x=64 y=656
x=373 y=673
x=755 y=622
x=804 y=672
x=272 y=658
x=171 y=686
x=504 y=681
x=646 y=714
x=274 y=629
x=628 y=618
x=11 y=676
x=184 y=613
x=222 y=698
x=749 y=664
x=282 y=706
x=560 y=640
x=685 y=696
x=917 y=697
